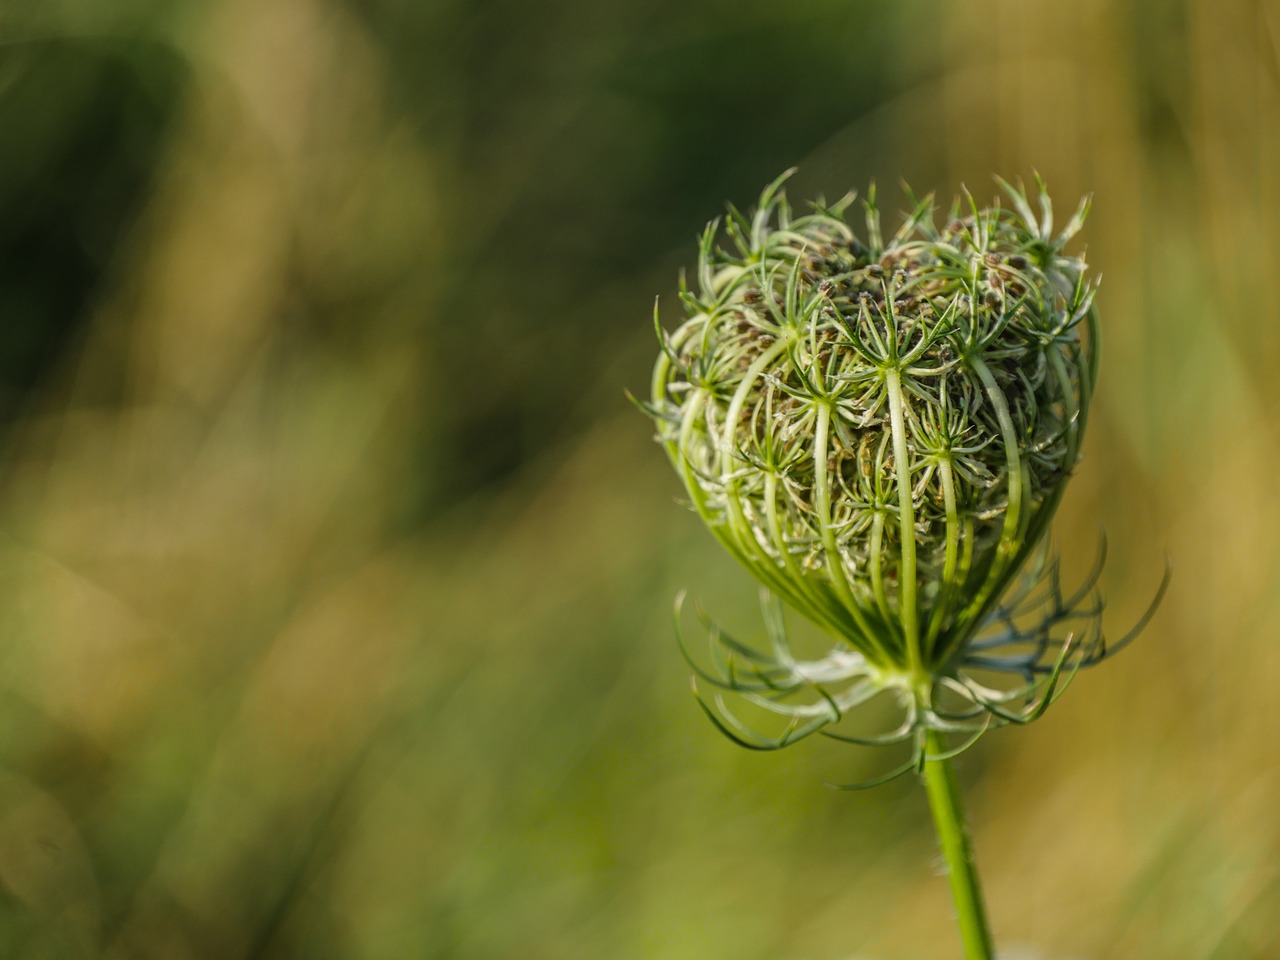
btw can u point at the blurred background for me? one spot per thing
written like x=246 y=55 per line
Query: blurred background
x=336 y=570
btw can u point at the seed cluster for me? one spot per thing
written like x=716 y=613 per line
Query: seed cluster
x=880 y=430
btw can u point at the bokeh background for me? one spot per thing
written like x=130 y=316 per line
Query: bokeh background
x=336 y=570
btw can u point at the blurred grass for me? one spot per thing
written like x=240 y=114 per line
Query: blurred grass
x=335 y=572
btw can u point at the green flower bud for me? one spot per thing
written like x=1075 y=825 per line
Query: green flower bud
x=880 y=431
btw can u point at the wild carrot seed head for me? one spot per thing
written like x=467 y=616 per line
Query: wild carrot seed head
x=880 y=430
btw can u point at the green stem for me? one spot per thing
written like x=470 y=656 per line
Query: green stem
x=953 y=837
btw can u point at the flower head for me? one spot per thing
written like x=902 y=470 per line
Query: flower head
x=880 y=430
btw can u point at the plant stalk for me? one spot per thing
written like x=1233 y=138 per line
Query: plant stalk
x=953 y=837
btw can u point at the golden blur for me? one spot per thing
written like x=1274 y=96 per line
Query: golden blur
x=336 y=571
